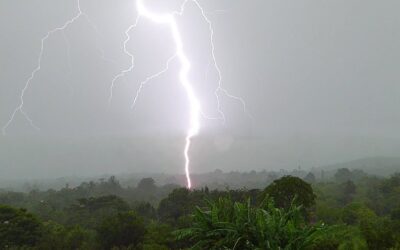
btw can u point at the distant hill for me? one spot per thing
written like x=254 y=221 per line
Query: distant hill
x=381 y=166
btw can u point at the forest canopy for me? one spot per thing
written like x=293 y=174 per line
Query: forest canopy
x=349 y=210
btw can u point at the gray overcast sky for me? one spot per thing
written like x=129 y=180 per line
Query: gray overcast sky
x=320 y=78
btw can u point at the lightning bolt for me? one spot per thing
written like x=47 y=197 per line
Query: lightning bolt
x=194 y=104
x=168 y=19
x=20 y=107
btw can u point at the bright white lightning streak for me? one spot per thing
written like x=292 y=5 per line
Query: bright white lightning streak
x=148 y=79
x=219 y=87
x=169 y=19
x=20 y=106
x=194 y=104
x=126 y=51
x=195 y=108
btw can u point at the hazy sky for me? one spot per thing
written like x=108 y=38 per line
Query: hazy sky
x=320 y=79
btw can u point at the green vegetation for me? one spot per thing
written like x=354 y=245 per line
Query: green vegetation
x=289 y=189
x=123 y=230
x=349 y=210
x=17 y=227
x=237 y=225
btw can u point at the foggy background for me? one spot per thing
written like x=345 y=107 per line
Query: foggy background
x=320 y=79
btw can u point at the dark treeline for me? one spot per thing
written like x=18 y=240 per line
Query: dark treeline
x=347 y=210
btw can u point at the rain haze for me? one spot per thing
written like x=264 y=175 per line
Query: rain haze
x=320 y=80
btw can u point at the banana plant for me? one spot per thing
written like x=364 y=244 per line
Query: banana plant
x=224 y=224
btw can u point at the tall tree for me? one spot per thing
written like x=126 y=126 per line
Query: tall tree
x=288 y=189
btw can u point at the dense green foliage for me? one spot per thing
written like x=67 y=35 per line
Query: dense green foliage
x=18 y=228
x=350 y=210
x=238 y=225
x=290 y=189
x=123 y=229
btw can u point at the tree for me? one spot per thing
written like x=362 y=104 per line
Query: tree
x=353 y=213
x=358 y=174
x=159 y=237
x=225 y=224
x=147 y=185
x=88 y=212
x=54 y=236
x=395 y=219
x=340 y=237
x=288 y=189
x=175 y=205
x=18 y=228
x=77 y=237
x=343 y=175
x=146 y=210
x=122 y=230
x=310 y=178
x=348 y=192
x=377 y=231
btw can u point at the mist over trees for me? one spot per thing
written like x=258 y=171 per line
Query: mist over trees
x=347 y=209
